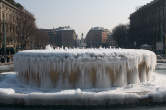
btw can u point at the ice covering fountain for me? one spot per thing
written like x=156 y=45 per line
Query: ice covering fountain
x=84 y=68
x=83 y=77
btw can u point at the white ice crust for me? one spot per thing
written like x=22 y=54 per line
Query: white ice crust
x=84 y=68
x=12 y=91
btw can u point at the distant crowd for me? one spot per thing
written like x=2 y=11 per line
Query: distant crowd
x=7 y=57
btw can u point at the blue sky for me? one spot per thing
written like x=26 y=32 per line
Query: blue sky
x=81 y=14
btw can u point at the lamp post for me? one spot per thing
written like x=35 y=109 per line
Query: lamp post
x=4 y=37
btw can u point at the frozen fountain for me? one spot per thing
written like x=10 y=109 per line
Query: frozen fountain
x=83 y=77
x=84 y=68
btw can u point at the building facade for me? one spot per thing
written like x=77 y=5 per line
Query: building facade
x=52 y=36
x=14 y=23
x=66 y=37
x=96 y=37
x=111 y=42
x=8 y=17
x=148 y=26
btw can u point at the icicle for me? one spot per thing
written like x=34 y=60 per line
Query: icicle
x=84 y=68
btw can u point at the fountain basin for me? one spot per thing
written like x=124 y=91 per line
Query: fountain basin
x=84 y=68
x=13 y=92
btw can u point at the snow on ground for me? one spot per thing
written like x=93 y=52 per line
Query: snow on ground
x=6 y=67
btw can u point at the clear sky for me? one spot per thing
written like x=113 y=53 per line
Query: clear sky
x=81 y=15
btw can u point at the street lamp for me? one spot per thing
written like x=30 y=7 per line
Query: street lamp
x=4 y=37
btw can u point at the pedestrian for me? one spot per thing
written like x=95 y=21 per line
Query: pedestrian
x=2 y=59
x=8 y=59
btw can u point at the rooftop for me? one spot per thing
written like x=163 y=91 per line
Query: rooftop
x=12 y=3
x=146 y=6
x=64 y=28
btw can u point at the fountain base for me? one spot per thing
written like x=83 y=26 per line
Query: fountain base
x=12 y=92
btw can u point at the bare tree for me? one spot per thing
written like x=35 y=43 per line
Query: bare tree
x=25 y=28
x=40 y=39
x=121 y=36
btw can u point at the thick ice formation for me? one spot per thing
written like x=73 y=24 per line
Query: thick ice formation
x=84 y=68
x=16 y=93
